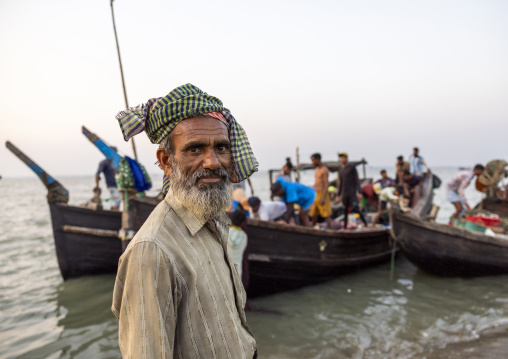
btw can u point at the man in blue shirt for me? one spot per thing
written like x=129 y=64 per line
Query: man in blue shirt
x=106 y=167
x=291 y=193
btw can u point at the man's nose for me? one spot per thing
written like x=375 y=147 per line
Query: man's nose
x=211 y=161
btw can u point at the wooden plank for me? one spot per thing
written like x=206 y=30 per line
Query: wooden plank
x=91 y=231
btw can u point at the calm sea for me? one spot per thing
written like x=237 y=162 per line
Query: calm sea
x=361 y=315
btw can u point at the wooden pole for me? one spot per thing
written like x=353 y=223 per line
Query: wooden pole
x=121 y=73
x=363 y=165
x=297 y=164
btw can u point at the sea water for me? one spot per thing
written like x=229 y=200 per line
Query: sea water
x=372 y=313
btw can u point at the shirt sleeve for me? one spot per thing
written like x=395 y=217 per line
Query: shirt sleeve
x=264 y=212
x=340 y=183
x=357 y=179
x=143 y=302
x=392 y=196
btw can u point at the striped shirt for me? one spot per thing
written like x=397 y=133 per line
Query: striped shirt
x=417 y=165
x=176 y=293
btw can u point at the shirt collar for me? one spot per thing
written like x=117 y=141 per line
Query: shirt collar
x=191 y=221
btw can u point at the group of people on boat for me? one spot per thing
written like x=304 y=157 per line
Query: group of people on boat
x=316 y=205
x=333 y=207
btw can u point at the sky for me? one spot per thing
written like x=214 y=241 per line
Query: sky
x=371 y=78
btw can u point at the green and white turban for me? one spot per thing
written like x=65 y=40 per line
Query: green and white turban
x=159 y=116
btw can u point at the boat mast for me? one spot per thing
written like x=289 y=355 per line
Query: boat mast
x=121 y=73
x=297 y=164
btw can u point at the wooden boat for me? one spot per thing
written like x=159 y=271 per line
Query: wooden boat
x=444 y=250
x=281 y=257
x=286 y=257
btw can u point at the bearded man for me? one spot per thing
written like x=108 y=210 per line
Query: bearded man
x=177 y=292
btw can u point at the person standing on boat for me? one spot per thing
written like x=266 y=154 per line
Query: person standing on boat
x=177 y=292
x=412 y=186
x=291 y=193
x=455 y=189
x=285 y=172
x=350 y=188
x=322 y=205
x=385 y=181
x=106 y=167
x=401 y=166
x=417 y=165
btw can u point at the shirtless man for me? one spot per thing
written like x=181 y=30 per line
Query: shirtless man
x=322 y=205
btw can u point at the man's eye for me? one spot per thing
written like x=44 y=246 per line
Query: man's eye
x=193 y=149
x=223 y=148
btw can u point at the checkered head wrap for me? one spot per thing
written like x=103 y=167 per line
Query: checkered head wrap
x=159 y=116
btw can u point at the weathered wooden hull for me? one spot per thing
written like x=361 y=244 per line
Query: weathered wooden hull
x=280 y=257
x=448 y=251
x=285 y=257
x=81 y=252
x=496 y=205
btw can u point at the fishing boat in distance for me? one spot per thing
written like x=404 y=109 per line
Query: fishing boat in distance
x=448 y=251
x=281 y=257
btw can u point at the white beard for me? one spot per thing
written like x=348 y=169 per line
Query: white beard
x=205 y=200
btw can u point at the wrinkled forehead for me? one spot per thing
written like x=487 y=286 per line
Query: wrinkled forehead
x=201 y=126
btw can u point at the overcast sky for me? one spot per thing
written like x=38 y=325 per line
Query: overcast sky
x=373 y=78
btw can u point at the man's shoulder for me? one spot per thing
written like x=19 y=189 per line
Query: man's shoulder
x=154 y=227
x=323 y=169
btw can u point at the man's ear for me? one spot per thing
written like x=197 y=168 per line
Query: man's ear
x=164 y=161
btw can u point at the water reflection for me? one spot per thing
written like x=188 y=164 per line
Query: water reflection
x=85 y=325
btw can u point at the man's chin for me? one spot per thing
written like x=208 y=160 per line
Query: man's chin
x=204 y=185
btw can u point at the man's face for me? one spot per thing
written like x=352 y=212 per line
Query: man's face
x=343 y=160
x=200 y=166
x=255 y=208
x=477 y=172
x=383 y=174
x=407 y=177
x=286 y=170
x=202 y=143
x=415 y=153
x=315 y=161
x=400 y=161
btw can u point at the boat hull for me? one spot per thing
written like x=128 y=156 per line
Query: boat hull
x=82 y=254
x=496 y=205
x=281 y=257
x=285 y=257
x=443 y=250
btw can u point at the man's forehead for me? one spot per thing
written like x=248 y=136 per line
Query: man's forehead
x=201 y=126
